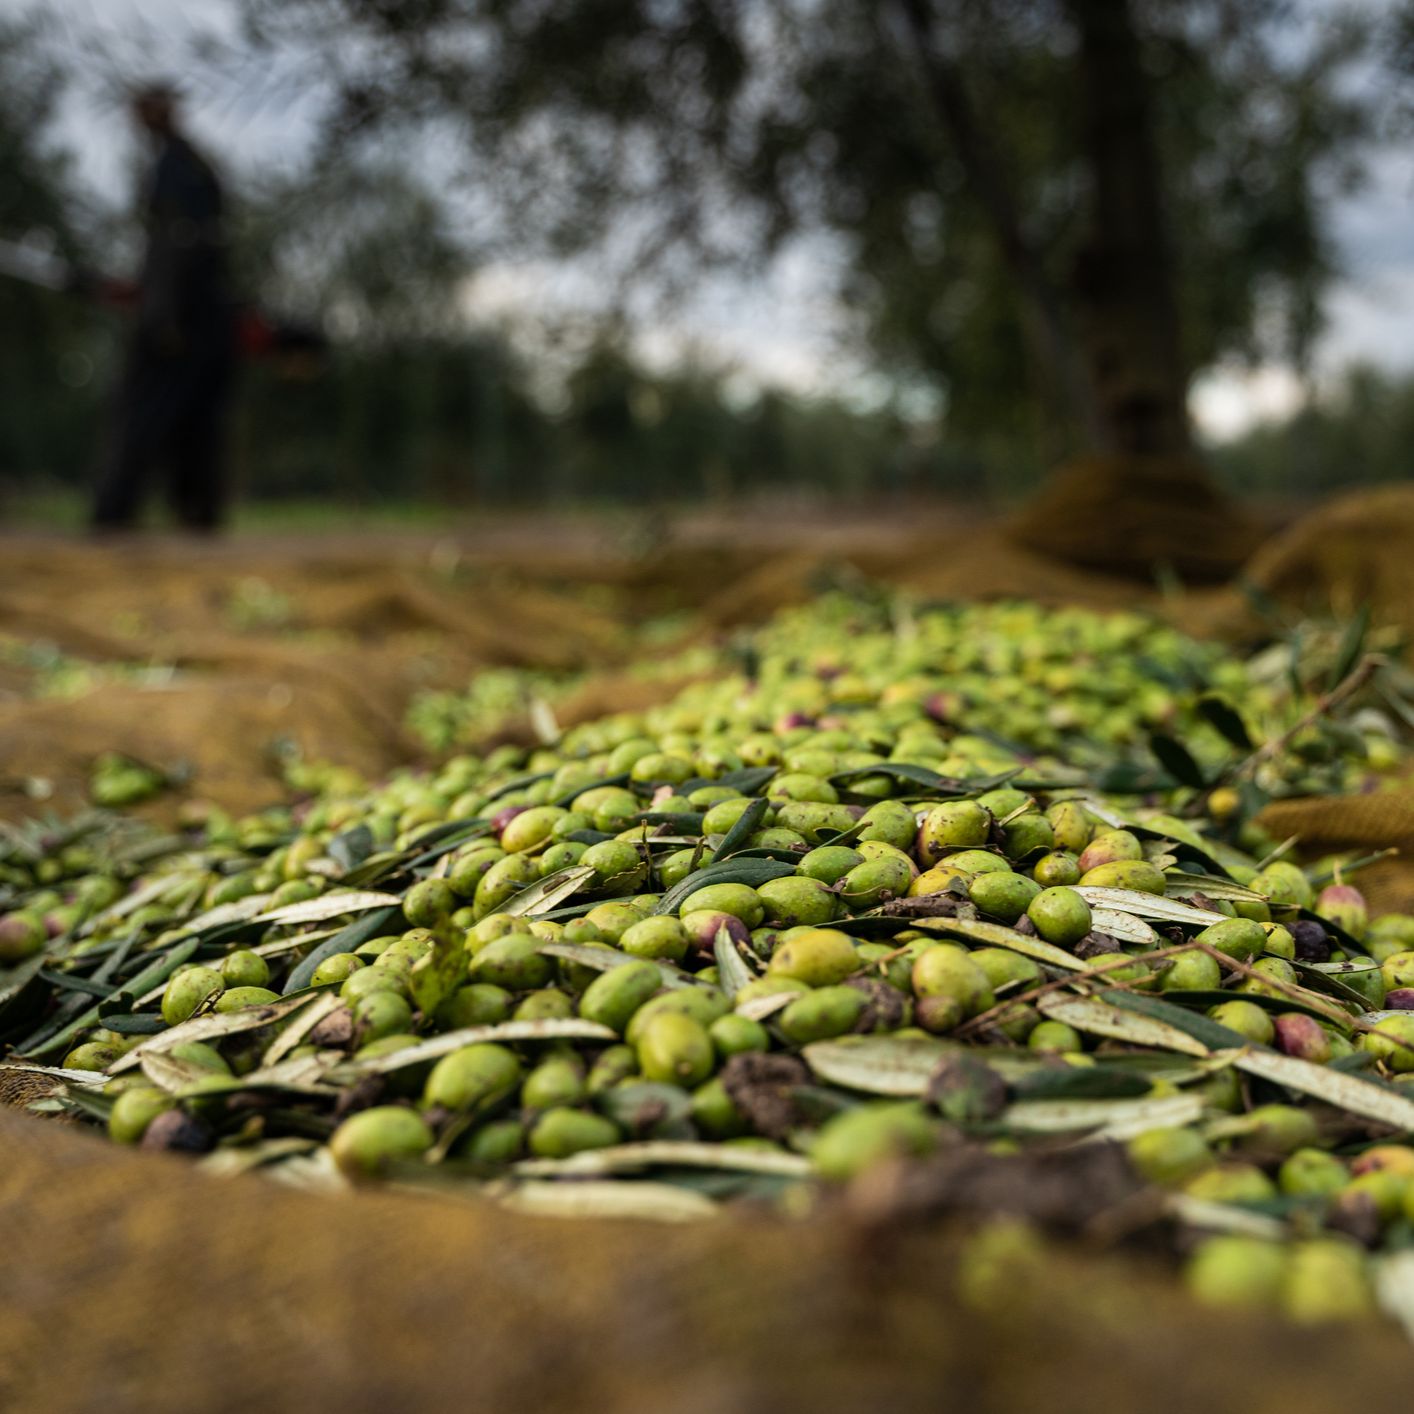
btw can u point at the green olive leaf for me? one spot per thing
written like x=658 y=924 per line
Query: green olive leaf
x=667 y=1153
x=548 y=892
x=604 y=1198
x=1100 y=1018
x=332 y=905
x=1225 y=719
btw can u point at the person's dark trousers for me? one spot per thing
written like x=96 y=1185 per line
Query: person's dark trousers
x=171 y=414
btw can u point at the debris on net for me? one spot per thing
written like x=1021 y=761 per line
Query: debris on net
x=850 y=907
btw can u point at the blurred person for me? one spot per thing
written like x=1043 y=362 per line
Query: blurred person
x=172 y=396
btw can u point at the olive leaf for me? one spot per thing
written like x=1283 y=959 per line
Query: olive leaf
x=1177 y=760
x=1101 y=1018
x=1351 y=1093
x=1091 y=1082
x=278 y=946
x=345 y=940
x=748 y=780
x=297 y=1029
x=743 y=829
x=210 y=1027
x=225 y=1163
x=604 y=1198
x=327 y=906
x=998 y=936
x=731 y=970
x=243 y=910
x=1394 y=1288
x=1210 y=884
x=1212 y=1034
x=878 y=1065
x=603 y=959
x=155 y=974
x=1352 y=644
x=759 y=1008
x=667 y=1153
x=93 y=1078
x=549 y=892
x=685 y=822
x=172 y=1074
x=439 y=971
x=154 y=892
x=352 y=847
x=1330 y=978
x=435 y=1047
x=1142 y=905
x=1201 y=999
x=1103 y=1119
x=728 y=871
x=928 y=780
x=1224 y=1217
x=14 y=979
x=1225 y=719
x=138 y=1024
x=1124 y=926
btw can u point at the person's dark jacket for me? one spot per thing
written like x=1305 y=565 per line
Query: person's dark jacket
x=184 y=299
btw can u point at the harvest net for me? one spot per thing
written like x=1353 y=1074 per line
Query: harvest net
x=133 y=1281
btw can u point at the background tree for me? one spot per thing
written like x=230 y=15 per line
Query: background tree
x=53 y=356
x=1055 y=210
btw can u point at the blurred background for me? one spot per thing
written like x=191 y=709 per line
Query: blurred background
x=666 y=252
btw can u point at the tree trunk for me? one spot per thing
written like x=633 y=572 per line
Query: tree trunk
x=1124 y=287
x=1143 y=502
x=1110 y=340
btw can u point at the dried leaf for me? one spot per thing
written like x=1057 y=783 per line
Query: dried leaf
x=171 y=1074
x=94 y=1078
x=226 y=1163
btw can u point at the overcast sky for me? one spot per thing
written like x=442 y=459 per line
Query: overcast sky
x=782 y=329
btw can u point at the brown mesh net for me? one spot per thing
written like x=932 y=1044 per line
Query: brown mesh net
x=133 y=1282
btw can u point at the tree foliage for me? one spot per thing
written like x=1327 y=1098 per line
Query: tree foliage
x=659 y=135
